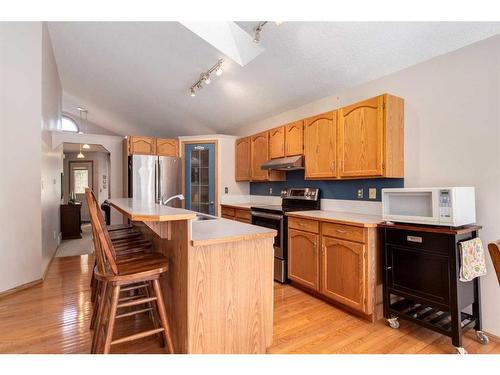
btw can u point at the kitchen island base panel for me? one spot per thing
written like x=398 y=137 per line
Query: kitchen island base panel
x=219 y=298
x=231 y=297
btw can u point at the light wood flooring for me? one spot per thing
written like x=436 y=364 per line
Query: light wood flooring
x=54 y=317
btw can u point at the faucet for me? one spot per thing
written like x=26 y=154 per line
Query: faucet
x=165 y=201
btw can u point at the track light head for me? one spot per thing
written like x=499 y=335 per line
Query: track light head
x=193 y=91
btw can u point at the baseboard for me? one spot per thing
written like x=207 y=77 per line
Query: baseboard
x=46 y=271
x=20 y=287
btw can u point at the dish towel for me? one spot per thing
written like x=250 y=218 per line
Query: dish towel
x=472 y=259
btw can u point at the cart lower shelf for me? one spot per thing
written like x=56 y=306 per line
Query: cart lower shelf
x=428 y=316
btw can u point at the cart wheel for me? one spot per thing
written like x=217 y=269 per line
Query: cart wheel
x=460 y=350
x=482 y=338
x=393 y=323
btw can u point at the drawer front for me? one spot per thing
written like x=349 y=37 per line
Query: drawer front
x=243 y=215
x=345 y=232
x=227 y=211
x=303 y=224
x=434 y=242
x=243 y=220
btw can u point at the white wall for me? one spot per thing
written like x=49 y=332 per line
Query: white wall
x=114 y=145
x=452 y=134
x=225 y=167
x=20 y=152
x=88 y=127
x=51 y=163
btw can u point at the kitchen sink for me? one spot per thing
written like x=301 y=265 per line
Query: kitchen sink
x=203 y=217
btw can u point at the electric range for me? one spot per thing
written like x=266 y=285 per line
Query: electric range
x=273 y=216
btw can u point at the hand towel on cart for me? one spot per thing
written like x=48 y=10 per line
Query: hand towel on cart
x=472 y=259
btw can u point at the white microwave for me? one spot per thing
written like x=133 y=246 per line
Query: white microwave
x=450 y=206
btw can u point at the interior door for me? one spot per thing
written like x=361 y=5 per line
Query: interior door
x=81 y=177
x=200 y=177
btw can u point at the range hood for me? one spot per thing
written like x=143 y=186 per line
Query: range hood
x=285 y=164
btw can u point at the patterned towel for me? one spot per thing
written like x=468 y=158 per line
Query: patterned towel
x=472 y=259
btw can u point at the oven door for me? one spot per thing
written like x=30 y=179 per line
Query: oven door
x=273 y=221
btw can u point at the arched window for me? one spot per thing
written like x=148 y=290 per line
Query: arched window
x=69 y=125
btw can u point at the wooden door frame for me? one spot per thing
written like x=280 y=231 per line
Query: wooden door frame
x=215 y=142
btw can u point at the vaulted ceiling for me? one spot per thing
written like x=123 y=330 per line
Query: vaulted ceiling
x=133 y=77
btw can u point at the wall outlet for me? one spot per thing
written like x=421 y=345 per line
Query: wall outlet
x=226 y=190
x=360 y=193
x=270 y=191
x=372 y=193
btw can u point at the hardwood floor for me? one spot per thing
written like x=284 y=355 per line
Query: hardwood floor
x=54 y=317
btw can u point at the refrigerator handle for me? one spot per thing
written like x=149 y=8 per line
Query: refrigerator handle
x=158 y=186
x=156 y=181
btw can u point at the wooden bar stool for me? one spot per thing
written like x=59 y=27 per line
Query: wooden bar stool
x=494 y=249
x=136 y=273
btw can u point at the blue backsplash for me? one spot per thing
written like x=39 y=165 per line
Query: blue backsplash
x=336 y=189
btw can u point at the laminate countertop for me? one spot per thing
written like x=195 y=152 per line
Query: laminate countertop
x=209 y=232
x=137 y=210
x=348 y=218
x=245 y=206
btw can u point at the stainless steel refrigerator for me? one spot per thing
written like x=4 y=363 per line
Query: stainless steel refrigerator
x=150 y=178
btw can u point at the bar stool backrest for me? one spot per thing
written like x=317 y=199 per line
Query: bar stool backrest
x=105 y=252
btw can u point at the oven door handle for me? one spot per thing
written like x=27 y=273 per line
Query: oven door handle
x=267 y=216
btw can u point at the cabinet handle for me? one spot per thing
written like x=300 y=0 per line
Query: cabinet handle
x=389 y=268
x=340 y=231
x=317 y=149
x=333 y=165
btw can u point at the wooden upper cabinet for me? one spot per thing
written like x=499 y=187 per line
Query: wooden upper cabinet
x=242 y=159
x=371 y=138
x=303 y=260
x=277 y=142
x=294 y=138
x=259 y=155
x=320 y=144
x=167 y=147
x=141 y=145
x=344 y=272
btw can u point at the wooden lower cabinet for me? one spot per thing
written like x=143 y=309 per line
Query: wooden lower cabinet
x=343 y=275
x=236 y=213
x=303 y=260
x=337 y=262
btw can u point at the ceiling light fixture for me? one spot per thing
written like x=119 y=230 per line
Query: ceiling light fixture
x=80 y=155
x=206 y=78
x=258 y=30
x=86 y=146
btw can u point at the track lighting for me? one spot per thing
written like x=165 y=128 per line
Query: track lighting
x=258 y=30
x=206 y=78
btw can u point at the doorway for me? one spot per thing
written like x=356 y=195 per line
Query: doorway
x=81 y=177
x=200 y=176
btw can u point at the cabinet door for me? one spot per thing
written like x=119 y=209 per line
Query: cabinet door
x=260 y=154
x=361 y=139
x=294 y=138
x=167 y=147
x=277 y=142
x=142 y=145
x=320 y=141
x=303 y=261
x=242 y=159
x=343 y=272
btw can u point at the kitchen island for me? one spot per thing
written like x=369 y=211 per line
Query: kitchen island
x=218 y=290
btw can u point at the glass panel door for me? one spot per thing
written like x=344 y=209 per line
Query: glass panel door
x=200 y=178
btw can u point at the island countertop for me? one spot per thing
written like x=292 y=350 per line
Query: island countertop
x=209 y=232
x=137 y=210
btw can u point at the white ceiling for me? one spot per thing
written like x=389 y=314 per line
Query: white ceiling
x=133 y=77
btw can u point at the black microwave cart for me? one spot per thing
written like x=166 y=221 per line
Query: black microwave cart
x=421 y=266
